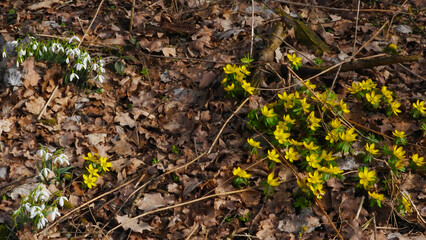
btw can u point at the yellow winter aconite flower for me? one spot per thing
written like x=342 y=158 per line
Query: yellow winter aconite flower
x=268 y=113
x=332 y=136
x=373 y=98
x=395 y=107
x=288 y=119
x=370 y=148
x=230 y=69
x=399 y=165
x=387 y=93
x=244 y=70
x=336 y=123
x=315 y=178
x=328 y=156
x=90 y=180
x=313 y=160
x=93 y=171
x=291 y=155
x=377 y=196
x=420 y=106
x=241 y=173
x=286 y=97
x=406 y=202
x=356 y=87
x=317 y=190
x=295 y=60
x=311 y=146
x=281 y=136
x=399 y=152
x=224 y=80
x=349 y=135
x=295 y=143
x=92 y=158
x=365 y=177
x=104 y=164
x=305 y=105
x=229 y=88
x=273 y=182
x=253 y=143
x=419 y=161
x=247 y=87
x=399 y=134
x=344 y=107
x=331 y=169
x=313 y=121
x=368 y=84
x=310 y=85
x=393 y=46
x=273 y=156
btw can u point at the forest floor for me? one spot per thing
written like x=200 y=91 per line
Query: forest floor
x=174 y=136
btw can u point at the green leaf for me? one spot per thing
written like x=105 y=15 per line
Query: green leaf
x=119 y=67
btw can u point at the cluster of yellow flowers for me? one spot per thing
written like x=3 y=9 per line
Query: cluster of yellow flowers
x=235 y=79
x=368 y=89
x=95 y=165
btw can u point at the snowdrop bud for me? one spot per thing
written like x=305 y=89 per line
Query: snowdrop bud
x=61 y=200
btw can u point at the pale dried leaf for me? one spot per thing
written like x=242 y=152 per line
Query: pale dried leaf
x=34 y=105
x=132 y=224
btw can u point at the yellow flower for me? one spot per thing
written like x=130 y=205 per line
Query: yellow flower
x=271 y=181
x=336 y=123
x=104 y=164
x=331 y=169
x=387 y=93
x=93 y=171
x=224 y=80
x=365 y=177
x=420 y=106
x=244 y=70
x=311 y=146
x=273 y=156
x=370 y=148
x=90 y=157
x=395 y=105
x=229 y=88
x=393 y=46
x=288 y=119
x=295 y=61
x=356 y=87
x=332 y=136
x=230 y=69
x=305 y=105
x=368 y=85
x=406 y=202
x=267 y=113
x=315 y=178
x=314 y=121
x=313 y=160
x=241 y=173
x=373 y=98
x=281 y=136
x=291 y=155
x=247 y=87
x=317 y=190
x=253 y=143
x=349 y=135
x=420 y=161
x=90 y=180
x=310 y=85
x=328 y=156
x=399 y=152
x=344 y=107
x=295 y=143
x=377 y=196
x=399 y=134
x=286 y=97
x=399 y=165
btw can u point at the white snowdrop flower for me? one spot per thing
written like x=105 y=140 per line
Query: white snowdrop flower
x=4 y=53
x=61 y=200
x=21 y=52
x=55 y=213
x=41 y=152
x=42 y=222
x=39 y=52
x=70 y=52
x=15 y=43
x=62 y=158
x=35 y=45
x=60 y=48
x=42 y=195
x=16 y=211
x=31 y=54
x=45 y=172
x=100 y=78
x=52 y=48
x=78 y=66
x=44 y=48
x=74 y=38
x=67 y=61
x=27 y=207
x=101 y=62
x=73 y=75
x=95 y=66
x=17 y=64
x=77 y=52
x=102 y=70
x=35 y=210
